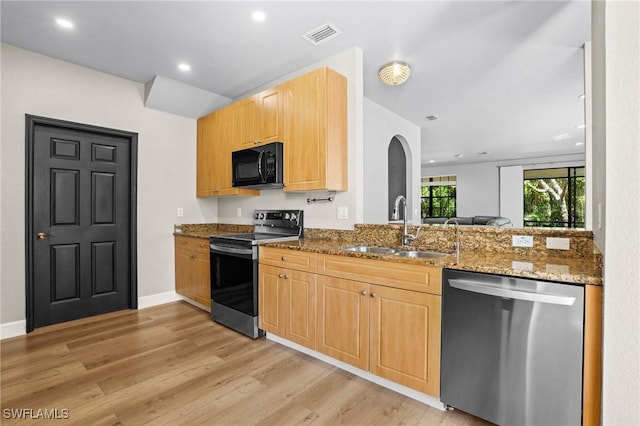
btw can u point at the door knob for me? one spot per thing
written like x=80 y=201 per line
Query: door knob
x=42 y=236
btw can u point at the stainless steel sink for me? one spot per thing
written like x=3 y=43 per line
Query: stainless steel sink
x=370 y=249
x=419 y=254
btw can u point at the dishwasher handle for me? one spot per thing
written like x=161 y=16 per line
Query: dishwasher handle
x=500 y=291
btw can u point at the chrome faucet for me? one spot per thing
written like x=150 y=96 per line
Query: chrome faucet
x=406 y=236
x=457 y=243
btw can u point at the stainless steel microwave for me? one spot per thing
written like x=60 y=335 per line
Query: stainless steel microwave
x=258 y=167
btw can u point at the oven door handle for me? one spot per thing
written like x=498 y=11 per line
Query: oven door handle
x=230 y=250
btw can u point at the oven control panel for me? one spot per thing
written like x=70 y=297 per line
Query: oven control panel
x=279 y=218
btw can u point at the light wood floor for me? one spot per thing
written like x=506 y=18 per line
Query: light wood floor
x=171 y=364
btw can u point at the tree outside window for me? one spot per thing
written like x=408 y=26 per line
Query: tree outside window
x=438 y=197
x=554 y=197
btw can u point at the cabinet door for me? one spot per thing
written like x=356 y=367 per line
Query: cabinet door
x=224 y=134
x=270 y=122
x=183 y=270
x=343 y=320
x=246 y=125
x=271 y=299
x=305 y=153
x=205 y=186
x=201 y=278
x=301 y=309
x=405 y=338
x=315 y=134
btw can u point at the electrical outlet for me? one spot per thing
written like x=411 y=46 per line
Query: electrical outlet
x=239 y=212
x=180 y=212
x=522 y=241
x=558 y=243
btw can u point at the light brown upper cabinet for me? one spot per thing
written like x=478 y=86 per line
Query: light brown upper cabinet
x=260 y=119
x=216 y=133
x=307 y=114
x=315 y=133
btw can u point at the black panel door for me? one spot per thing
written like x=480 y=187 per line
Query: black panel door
x=81 y=223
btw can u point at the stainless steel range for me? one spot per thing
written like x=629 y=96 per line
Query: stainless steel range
x=234 y=268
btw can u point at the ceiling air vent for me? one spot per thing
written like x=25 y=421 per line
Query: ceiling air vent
x=321 y=34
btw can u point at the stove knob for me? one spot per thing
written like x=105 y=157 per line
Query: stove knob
x=293 y=217
x=286 y=216
x=261 y=216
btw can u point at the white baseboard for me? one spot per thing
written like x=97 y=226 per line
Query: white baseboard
x=19 y=328
x=158 y=299
x=13 y=329
x=403 y=390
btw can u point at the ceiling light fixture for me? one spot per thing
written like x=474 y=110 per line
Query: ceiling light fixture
x=432 y=161
x=64 y=23
x=394 y=73
x=259 y=16
x=431 y=117
x=458 y=155
x=579 y=143
x=184 y=67
x=580 y=126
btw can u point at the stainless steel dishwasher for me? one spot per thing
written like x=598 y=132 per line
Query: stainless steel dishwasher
x=512 y=349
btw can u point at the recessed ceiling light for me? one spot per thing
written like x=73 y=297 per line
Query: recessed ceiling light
x=483 y=153
x=561 y=136
x=579 y=143
x=432 y=161
x=184 y=67
x=581 y=96
x=259 y=16
x=64 y=23
x=431 y=117
x=458 y=155
x=580 y=126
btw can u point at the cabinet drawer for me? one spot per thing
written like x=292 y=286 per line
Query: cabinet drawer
x=426 y=279
x=292 y=259
x=190 y=243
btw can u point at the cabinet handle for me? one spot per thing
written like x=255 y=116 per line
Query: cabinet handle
x=373 y=294
x=284 y=259
x=285 y=276
x=363 y=292
x=192 y=256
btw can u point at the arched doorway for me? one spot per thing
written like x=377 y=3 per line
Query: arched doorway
x=397 y=174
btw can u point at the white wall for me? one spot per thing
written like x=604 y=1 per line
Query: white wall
x=380 y=126
x=477 y=187
x=512 y=194
x=39 y=85
x=621 y=387
x=317 y=215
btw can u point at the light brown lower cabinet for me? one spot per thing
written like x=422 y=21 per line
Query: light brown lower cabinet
x=286 y=302
x=342 y=309
x=193 y=272
x=393 y=333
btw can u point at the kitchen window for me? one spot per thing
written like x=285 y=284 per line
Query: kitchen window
x=554 y=197
x=438 y=196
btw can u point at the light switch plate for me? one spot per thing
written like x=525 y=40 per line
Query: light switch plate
x=343 y=213
x=522 y=241
x=180 y=212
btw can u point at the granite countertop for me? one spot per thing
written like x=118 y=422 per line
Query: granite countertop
x=571 y=270
x=206 y=230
